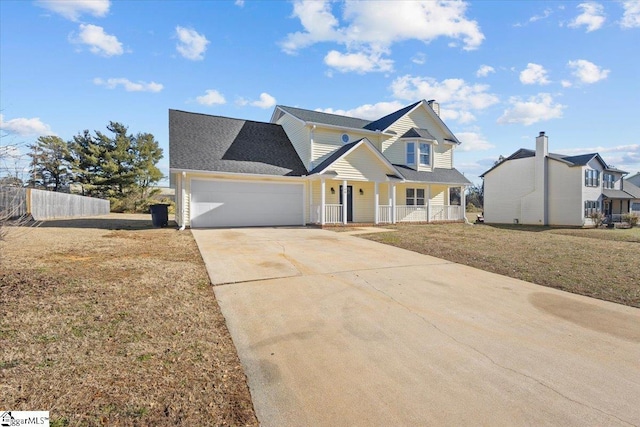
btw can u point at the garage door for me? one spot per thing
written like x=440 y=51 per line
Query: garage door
x=242 y=204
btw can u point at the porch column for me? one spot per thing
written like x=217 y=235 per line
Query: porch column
x=376 y=202
x=344 y=202
x=393 y=203
x=322 y=200
x=183 y=198
x=311 y=213
x=463 y=202
x=429 y=203
x=448 y=202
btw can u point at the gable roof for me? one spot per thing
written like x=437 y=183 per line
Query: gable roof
x=571 y=161
x=346 y=149
x=379 y=125
x=418 y=133
x=386 y=121
x=635 y=179
x=631 y=188
x=212 y=143
x=325 y=118
x=438 y=175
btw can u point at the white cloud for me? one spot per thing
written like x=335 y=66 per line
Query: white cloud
x=459 y=116
x=473 y=141
x=456 y=97
x=25 y=127
x=545 y=15
x=485 y=70
x=191 y=44
x=592 y=16
x=367 y=111
x=587 y=72
x=128 y=85
x=211 y=97
x=371 y=28
x=265 y=101
x=631 y=15
x=419 y=58
x=534 y=73
x=73 y=9
x=537 y=108
x=98 y=41
x=566 y=83
x=239 y=3
x=358 y=62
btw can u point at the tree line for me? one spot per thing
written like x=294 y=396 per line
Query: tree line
x=115 y=165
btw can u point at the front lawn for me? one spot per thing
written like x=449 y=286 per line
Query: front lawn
x=111 y=322
x=603 y=264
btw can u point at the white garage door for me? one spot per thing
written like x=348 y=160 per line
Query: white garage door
x=241 y=204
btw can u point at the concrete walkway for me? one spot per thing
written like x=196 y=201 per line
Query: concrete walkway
x=334 y=330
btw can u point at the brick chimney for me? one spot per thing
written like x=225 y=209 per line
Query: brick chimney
x=434 y=106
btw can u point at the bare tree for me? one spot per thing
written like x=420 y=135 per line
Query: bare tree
x=13 y=197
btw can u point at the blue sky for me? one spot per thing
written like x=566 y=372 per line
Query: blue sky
x=502 y=71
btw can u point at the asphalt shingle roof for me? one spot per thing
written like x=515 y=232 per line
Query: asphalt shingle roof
x=616 y=194
x=438 y=176
x=631 y=188
x=579 y=160
x=388 y=120
x=333 y=157
x=325 y=118
x=212 y=143
x=418 y=133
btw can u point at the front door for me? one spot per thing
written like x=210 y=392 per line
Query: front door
x=349 y=202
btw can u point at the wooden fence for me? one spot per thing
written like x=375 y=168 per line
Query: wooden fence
x=43 y=205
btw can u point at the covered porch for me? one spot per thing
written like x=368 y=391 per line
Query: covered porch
x=615 y=204
x=342 y=202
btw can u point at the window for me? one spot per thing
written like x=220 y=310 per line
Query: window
x=425 y=153
x=411 y=153
x=591 y=206
x=608 y=180
x=591 y=178
x=415 y=196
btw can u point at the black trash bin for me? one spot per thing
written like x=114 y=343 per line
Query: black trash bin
x=159 y=215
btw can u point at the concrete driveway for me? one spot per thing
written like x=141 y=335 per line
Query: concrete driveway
x=339 y=331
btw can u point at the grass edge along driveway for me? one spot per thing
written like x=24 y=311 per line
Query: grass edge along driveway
x=598 y=263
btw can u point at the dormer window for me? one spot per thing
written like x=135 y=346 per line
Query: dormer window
x=420 y=151
x=425 y=154
x=608 y=180
x=411 y=153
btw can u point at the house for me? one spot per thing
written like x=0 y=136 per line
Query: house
x=309 y=167
x=542 y=188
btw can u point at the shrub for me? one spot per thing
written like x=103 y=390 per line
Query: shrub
x=630 y=218
x=597 y=218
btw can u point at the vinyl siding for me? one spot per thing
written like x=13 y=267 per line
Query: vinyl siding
x=361 y=164
x=298 y=133
x=394 y=148
x=326 y=141
x=566 y=206
x=504 y=188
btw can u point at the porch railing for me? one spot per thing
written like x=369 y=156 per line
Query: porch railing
x=332 y=214
x=384 y=214
x=407 y=213
x=404 y=213
x=445 y=213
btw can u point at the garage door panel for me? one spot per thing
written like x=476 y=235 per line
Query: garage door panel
x=229 y=204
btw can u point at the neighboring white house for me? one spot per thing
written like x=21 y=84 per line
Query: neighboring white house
x=542 y=188
x=312 y=167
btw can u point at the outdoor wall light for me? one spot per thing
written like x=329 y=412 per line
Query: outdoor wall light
x=333 y=191
x=361 y=192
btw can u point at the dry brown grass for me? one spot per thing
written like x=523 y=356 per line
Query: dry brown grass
x=603 y=264
x=111 y=322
